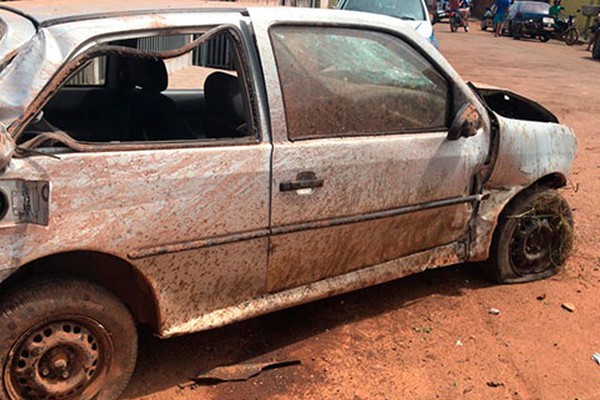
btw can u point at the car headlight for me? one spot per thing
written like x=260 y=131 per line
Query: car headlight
x=548 y=20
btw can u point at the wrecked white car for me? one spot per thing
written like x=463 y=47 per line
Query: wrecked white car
x=189 y=166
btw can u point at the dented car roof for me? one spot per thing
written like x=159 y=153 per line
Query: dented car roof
x=52 y=12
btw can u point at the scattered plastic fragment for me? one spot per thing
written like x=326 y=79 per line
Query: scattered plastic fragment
x=238 y=372
x=494 y=311
x=596 y=357
x=568 y=306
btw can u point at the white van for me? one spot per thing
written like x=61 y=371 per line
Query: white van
x=412 y=11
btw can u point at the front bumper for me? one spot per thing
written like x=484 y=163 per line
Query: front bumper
x=534 y=28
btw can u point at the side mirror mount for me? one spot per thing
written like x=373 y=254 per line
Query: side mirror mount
x=466 y=123
x=7 y=147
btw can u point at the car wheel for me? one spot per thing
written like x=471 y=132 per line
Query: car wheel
x=571 y=36
x=544 y=38
x=65 y=339
x=516 y=32
x=533 y=239
x=596 y=48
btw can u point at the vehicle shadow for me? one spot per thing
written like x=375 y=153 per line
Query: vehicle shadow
x=164 y=364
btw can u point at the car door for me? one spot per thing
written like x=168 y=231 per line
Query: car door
x=363 y=170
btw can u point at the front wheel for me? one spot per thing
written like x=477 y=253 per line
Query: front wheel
x=571 y=36
x=596 y=48
x=453 y=26
x=533 y=239
x=65 y=339
x=544 y=38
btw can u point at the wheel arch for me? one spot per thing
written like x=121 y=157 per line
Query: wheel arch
x=555 y=180
x=115 y=274
x=491 y=211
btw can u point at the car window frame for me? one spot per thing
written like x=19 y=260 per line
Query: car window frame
x=91 y=45
x=450 y=85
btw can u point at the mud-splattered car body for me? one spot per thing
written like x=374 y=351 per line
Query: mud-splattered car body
x=199 y=232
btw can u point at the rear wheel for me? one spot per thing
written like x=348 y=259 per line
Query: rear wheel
x=571 y=36
x=533 y=239
x=65 y=339
x=516 y=32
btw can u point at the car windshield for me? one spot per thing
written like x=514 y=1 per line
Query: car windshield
x=534 y=8
x=403 y=9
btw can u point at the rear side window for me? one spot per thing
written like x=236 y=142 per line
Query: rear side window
x=347 y=82
x=153 y=89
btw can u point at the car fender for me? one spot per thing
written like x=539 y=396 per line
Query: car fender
x=527 y=153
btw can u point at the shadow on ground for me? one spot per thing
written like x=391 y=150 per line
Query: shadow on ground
x=163 y=364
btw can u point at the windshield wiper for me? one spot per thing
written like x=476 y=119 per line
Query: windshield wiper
x=406 y=18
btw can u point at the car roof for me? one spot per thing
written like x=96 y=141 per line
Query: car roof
x=49 y=12
x=525 y=2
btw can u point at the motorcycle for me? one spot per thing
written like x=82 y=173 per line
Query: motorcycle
x=564 y=30
x=487 y=21
x=457 y=20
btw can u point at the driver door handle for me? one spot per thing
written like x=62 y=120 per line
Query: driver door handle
x=304 y=180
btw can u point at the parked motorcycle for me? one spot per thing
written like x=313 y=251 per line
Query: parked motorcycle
x=457 y=20
x=564 y=30
x=487 y=21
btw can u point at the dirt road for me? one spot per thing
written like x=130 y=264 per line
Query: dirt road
x=431 y=336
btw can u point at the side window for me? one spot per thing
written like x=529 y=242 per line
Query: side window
x=349 y=82
x=136 y=96
x=92 y=74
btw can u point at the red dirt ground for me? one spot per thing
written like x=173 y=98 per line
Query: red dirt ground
x=430 y=336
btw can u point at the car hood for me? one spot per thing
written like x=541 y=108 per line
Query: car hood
x=526 y=16
x=513 y=105
x=423 y=28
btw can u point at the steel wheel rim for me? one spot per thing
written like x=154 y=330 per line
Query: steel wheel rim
x=541 y=240
x=61 y=359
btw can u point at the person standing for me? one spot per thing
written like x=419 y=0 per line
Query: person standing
x=464 y=9
x=501 y=12
x=556 y=9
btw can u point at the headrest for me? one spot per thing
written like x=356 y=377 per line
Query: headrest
x=148 y=74
x=223 y=91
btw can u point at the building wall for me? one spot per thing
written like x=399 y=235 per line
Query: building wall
x=571 y=7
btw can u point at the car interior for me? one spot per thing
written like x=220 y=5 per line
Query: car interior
x=128 y=98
